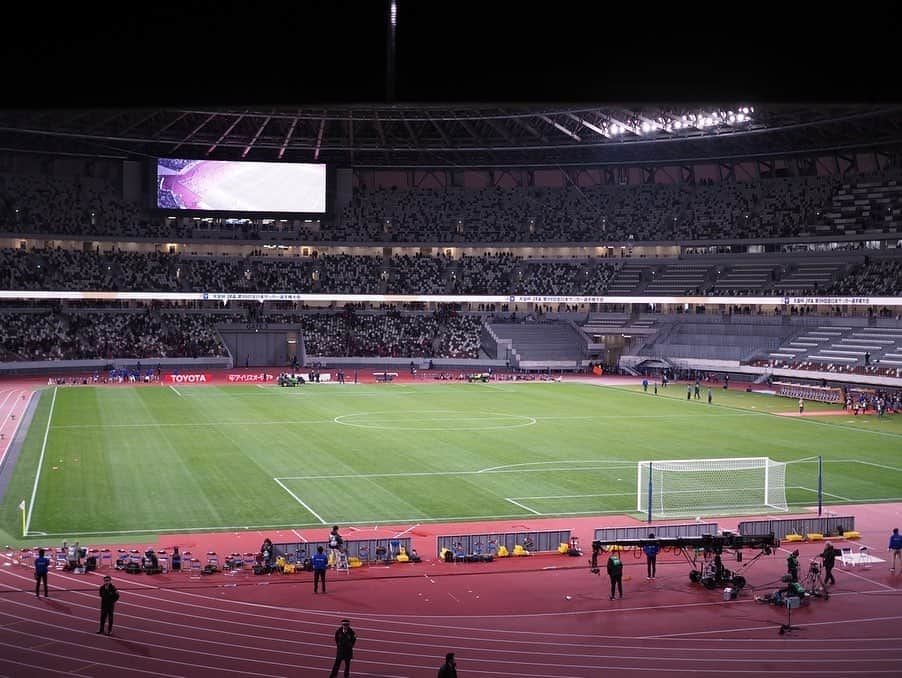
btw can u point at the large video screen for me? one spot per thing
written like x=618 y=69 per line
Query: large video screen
x=240 y=186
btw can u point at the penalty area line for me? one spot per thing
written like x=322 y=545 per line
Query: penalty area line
x=525 y=508
x=301 y=502
x=175 y=390
x=829 y=494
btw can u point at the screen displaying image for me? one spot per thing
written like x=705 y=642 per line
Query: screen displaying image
x=240 y=186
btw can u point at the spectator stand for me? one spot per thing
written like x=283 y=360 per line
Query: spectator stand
x=480 y=546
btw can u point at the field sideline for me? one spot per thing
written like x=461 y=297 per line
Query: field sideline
x=141 y=461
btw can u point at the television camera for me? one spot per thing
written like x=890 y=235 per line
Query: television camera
x=709 y=574
x=814 y=581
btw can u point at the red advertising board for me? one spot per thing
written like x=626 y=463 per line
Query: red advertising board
x=250 y=378
x=189 y=378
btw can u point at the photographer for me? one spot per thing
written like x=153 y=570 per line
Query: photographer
x=829 y=558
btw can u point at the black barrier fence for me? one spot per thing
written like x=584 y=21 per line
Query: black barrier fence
x=609 y=534
x=364 y=549
x=834 y=525
x=488 y=544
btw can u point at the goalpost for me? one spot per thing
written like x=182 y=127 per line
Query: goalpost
x=691 y=487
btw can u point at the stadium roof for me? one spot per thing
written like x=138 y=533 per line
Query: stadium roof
x=460 y=135
x=369 y=84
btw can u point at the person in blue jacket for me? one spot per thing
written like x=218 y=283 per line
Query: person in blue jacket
x=651 y=556
x=895 y=548
x=41 y=567
x=320 y=565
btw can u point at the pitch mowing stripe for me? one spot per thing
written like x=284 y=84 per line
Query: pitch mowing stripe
x=37 y=475
x=820 y=422
x=199 y=424
x=403 y=428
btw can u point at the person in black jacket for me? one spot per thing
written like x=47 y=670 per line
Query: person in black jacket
x=449 y=668
x=829 y=557
x=109 y=594
x=344 y=648
x=615 y=572
x=792 y=565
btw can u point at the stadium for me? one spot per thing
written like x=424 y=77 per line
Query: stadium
x=494 y=344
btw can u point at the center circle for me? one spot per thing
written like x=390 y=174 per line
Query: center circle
x=434 y=420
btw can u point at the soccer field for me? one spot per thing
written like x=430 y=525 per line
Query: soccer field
x=106 y=463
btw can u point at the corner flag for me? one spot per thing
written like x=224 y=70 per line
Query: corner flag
x=22 y=509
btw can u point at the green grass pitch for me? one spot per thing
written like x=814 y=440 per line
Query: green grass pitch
x=128 y=463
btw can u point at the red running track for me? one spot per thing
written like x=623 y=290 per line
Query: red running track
x=511 y=617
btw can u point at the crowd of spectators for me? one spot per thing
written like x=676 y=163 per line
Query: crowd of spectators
x=564 y=278
x=766 y=208
x=391 y=334
x=500 y=273
x=874 y=278
x=648 y=212
x=69 y=206
x=62 y=335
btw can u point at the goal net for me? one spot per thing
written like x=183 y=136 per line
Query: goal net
x=693 y=487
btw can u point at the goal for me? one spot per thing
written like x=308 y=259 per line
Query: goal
x=692 y=487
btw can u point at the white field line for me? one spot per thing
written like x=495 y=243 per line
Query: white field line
x=175 y=390
x=301 y=502
x=525 y=508
x=858 y=461
x=37 y=475
x=627 y=464
x=580 y=496
x=830 y=494
x=416 y=474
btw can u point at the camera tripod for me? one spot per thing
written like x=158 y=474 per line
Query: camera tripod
x=814 y=581
x=790 y=602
